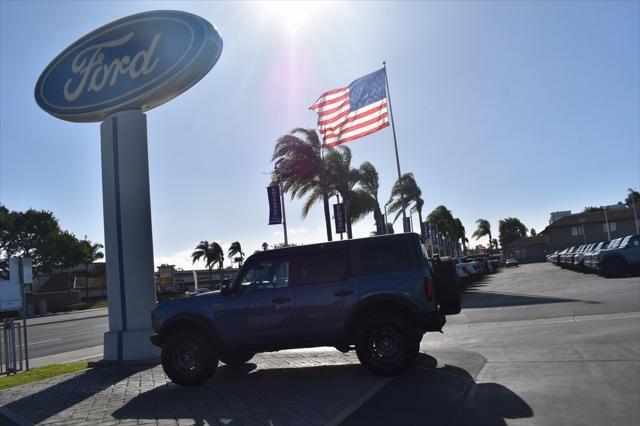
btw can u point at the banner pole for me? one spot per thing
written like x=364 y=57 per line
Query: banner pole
x=395 y=144
x=284 y=217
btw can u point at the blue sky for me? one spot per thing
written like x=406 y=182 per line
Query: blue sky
x=502 y=109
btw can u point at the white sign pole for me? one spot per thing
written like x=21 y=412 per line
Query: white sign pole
x=128 y=238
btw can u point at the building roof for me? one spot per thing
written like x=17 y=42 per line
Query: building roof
x=530 y=241
x=591 y=217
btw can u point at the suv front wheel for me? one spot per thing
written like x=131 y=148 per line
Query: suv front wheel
x=387 y=346
x=188 y=358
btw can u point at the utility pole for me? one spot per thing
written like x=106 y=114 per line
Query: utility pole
x=606 y=220
x=584 y=237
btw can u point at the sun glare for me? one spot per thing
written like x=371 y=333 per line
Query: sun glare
x=293 y=16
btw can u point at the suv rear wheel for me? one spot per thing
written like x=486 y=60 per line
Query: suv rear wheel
x=387 y=346
x=236 y=357
x=188 y=358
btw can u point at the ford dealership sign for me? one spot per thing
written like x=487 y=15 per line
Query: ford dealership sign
x=137 y=62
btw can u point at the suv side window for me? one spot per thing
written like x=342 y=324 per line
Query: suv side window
x=323 y=266
x=385 y=257
x=264 y=275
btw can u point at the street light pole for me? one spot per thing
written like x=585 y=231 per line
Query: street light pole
x=635 y=216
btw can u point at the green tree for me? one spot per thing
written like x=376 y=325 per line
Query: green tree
x=591 y=209
x=364 y=200
x=494 y=242
x=301 y=170
x=510 y=229
x=342 y=179
x=91 y=253
x=405 y=190
x=459 y=233
x=533 y=232
x=633 y=196
x=235 y=253
x=483 y=230
x=442 y=218
x=265 y=246
x=32 y=234
x=212 y=255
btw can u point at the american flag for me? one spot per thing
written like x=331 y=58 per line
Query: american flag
x=354 y=111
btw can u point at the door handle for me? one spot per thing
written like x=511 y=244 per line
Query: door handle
x=281 y=299
x=343 y=293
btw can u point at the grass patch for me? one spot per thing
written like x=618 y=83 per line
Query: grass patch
x=93 y=304
x=40 y=373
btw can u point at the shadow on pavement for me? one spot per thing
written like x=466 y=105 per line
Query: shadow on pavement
x=440 y=396
x=68 y=393
x=432 y=392
x=478 y=299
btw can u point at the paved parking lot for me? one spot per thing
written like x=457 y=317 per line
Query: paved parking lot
x=534 y=345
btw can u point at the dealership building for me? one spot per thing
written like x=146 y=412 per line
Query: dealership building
x=566 y=230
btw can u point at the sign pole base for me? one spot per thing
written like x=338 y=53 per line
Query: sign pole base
x=128 y=239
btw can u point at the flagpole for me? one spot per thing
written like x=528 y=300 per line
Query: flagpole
x=395 y=143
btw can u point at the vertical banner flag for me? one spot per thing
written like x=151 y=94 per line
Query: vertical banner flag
x=275 y=208
x=425 y=230
x=339 y=216
x=406 y=223
x=351 y=112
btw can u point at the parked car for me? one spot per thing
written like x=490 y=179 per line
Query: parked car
x=496 y=261
x=618 y=261
x=578 y=259
x=462 y=271
x=593 y=260
x=564 y=257
x=511 y=262
x=376 y=295
x=589 y=258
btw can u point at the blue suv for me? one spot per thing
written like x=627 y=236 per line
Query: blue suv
x=375 y=295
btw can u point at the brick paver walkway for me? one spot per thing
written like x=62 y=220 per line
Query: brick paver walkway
x=273 y=389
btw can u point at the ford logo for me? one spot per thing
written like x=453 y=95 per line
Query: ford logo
x=137 y=62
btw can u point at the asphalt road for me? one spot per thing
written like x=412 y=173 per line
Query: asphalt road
x=65 y=333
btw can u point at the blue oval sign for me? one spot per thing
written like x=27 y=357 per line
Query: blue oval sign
x=137 y=62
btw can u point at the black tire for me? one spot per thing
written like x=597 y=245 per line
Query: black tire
x=188 y=358
x=615 y=267
x=387 y=346
x=236 y=357
x=446 y=285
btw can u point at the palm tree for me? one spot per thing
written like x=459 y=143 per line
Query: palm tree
x=212 y=254
x=484 y=229
x=301 y=170
x=93 y=253
x=459 y=234
x=235 y=253
x=405 y=191
x=365 y=198
x=342 y=178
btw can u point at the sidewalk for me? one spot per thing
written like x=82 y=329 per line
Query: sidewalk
x=93 y=353
x=285 y=388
